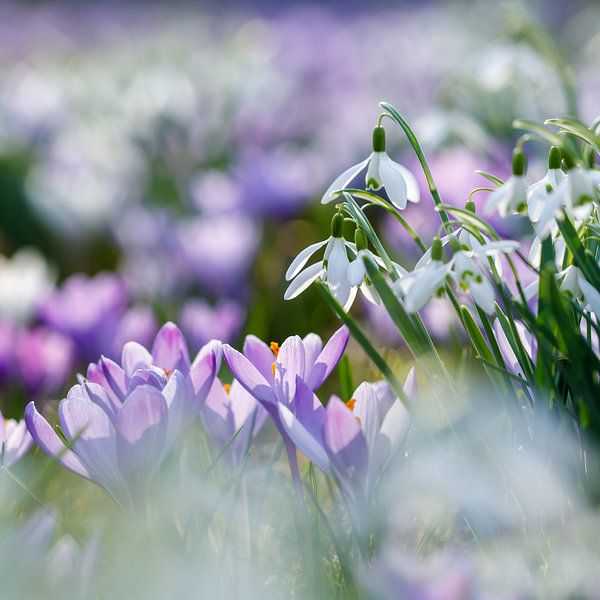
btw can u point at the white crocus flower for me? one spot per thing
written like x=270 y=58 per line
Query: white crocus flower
x=25 y=280
x=332 y=269
x=512 y=196
x=382 y=172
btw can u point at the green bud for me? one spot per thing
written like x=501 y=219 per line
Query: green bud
x=554 y=158
x=455 y=244
x=360 y=239
x=436 y=249
x=519 y=162
x=568 y=160
x=470 y=206
x=591 y=160
x=379 y=139
x=337 y=224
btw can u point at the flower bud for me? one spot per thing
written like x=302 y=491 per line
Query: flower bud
x=455 y=244
x=554 y=158
x=436 y=249
x=379 y=139
x=470 y=206
x=337 y=224
x=519 y=162
x=360 y=239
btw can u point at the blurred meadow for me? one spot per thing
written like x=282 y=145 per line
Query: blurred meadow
x=164 y=162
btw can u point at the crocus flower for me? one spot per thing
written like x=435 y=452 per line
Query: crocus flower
x=121 y=422
x=353 y=441
x=527 y=340
x=228 y=411
x=382 y=172
x=15 y=440
x=270 y=373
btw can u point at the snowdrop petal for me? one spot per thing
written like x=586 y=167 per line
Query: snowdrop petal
x=393 y=181
x=304 y=280
x=302 y=258
x=343 y=181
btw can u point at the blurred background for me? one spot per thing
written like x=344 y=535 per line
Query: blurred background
x=166 y=162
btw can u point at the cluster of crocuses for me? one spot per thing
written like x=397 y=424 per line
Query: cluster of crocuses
x=120 y=421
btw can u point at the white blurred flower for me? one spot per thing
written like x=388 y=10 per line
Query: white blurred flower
x=25 y=280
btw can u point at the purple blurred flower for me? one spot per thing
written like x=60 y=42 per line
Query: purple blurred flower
x=527 y=340
x=8 y=332
x=122 y=421
x=15 y=440
x=219 y=250
x=353 y=440
x=202 y=322
x=230 y=410
x=93 y=312
x=271 y=374
x=43 y=360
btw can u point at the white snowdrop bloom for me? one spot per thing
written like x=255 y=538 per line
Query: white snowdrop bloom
x=512 y=196
x=591 y=296
x=25 y=279
x=332 y=269
x=539 y=192
x=470 y=278
x=382 y=172
x=570 y=282
x=575 y=195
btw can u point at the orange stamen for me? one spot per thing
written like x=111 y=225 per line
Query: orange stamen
x=167 y=372
x=275 y=348
x=274 y=367
x=350 y=404
x=227 y=387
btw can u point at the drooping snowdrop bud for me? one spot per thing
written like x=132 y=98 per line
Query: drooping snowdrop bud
x=357 y=272
x=382 y=172
x=512 y=196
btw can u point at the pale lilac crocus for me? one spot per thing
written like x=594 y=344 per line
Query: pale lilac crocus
x=231 y=415
x=15 y=440
x=122 y=420
x=352 y=441
x=270 y=374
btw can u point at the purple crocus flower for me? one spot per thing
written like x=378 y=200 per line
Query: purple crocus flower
x=271 y=373
x=123 y=419
x=15 y=440
x=353 y=441
x=228 y=411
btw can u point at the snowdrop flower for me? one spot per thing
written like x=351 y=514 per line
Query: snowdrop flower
x=539 y=192
x=332 y=269
x=512 y=196
x=25 y=280
x=426 y=280
x=382 y=172
x=575 y=285
x=575 y=195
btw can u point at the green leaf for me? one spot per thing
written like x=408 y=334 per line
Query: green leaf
x=345 y=374
x=578 y=129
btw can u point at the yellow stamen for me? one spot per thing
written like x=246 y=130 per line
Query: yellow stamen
x=275 y=348
x=274 y=367
x=350 y=404
x=227 y=387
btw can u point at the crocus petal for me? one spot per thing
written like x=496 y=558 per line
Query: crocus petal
x=217 y=415
x=303 y=281
x=313 y=345
x=343 y=181
x=214 y=347
x=201 y=376
x=309 y=410
x=92 y=434
x=345 y=444
x=17 y=443
x=97 y=394
x=393 y=181
x=133 y=357
x=174 y=394
x=47 y=439
x=290 y=364
x=303 y=440
x=141 y=432
x=366 y=410
x=169 y=350
x=411 y=386
x=248 y=376
x=328 y=358
x=115 y=377
x=260 y=355
x=302 y=258
x=390 y=436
